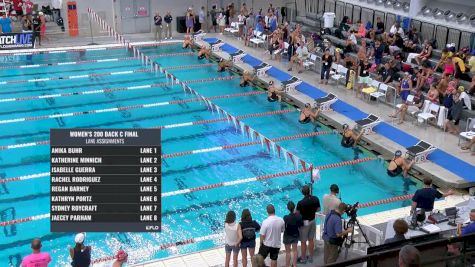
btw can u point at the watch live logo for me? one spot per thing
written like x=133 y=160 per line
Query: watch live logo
x=17 y=40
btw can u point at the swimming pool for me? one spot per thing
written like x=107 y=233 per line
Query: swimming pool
x=108 y=89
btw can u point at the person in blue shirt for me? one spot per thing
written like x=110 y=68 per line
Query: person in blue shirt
x=6 y=24
x=470 y=229
x=333 y=234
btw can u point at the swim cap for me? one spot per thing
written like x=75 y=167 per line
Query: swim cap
x=461 y=88
x=398 y=153
x=121 y=255
x=345 y=126
x=334 y=188
x=79 y=238
x=271 y=82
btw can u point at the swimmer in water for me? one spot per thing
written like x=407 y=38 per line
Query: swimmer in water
x=223 y=65
x=246 y=79
x=350 y=137
x=399 y=165
x=187 y=42
x=308 y=115
x=204 y=53
x=273 y=94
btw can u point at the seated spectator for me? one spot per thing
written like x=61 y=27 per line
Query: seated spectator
x=459 y=68
x=299 y=58
x=449 y=67
x=454 y=114
x=467 y=103
x=248 y=35
x=414 y=35
x=426 y=76
x=339 y=56
x=247 y=78
x=308 y=114
x=445 y=54
x=351 y=42
x=386 y=74
x=433 y=94
x=36 y=258
x=442 y=86
x=396 y=45
x=409 y=47
x=379 y=26
x=471 y=63
x=274 y=46
x=411 y=56
x=409 y=256
x=396 y=28
x=361 y=29
x=400 y=227
x=405 y=86
x=447 y=99
x=273 y=94
x=413 y=106
x=425 y=54
x=471 y=89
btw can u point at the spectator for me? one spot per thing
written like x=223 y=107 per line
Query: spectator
x=471 y=63
x=249 y=227
x=414 y=35
x=442 y=86
x=327 y=61
x=449 y=66
x=120 y=258
x=378 y=52
x=333 y=234
x=213 y=14
x=233 y=237
x=80 y=254
x=275 y=45
x=244 y=12
x=396 y=28
x=6 y=24
x=400 y=227
x=37 y=27
x=409 y=256
x=424 y=198
x=425 y=77
x=469 y=229
x=190 y=22
x=454 y=114
x=222 y=21
x=28 y=7
x=270 y=235
x=386 y=74
x=447 y=100
x=467 y=103
x=293 y=221
x=227 y=14
x=300 y=56
x=249 y=34
x=18 y=7
x=42 y=27
x=379 y=26
x=445 y=54
x=27 y=24
x=168 y=25
x=307 y=207
x=362 y=51
x=425 y=54
x=36 y=258
x=433 y=94
x=363 y=74
x=351 y=42
x=202 y=19
x=459 y=68
x=158 y=27
x=471 y=88
x=258 y=261
x=331 y=201
x=399 y=165
x=414 y=106
x=361 y=29
x=469 y=144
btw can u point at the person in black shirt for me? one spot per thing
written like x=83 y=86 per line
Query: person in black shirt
x=424 y=198
x=80 y=254
x=400 y=227
x=379 y=26
x=307 y=207
x=249 y=227
x=327 y=61
x=293 y=221
x=168 y=25
x=157 y=20
x=386 y=73
x=363 y=74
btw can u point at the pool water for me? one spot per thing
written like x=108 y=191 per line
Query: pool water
x=192 y=215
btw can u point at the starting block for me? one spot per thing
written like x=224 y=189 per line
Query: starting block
x=216 y=46
x=290 y=85
x=237 y=56
x=420 y=151
x=262 y=69
x=324 y=103
x=367 y=124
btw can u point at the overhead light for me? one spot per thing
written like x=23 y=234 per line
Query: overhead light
x=406 y=6
x=370 y=1
x=426 y=11
x=449 y=15
x=380 y=2
x=388 y=3
x=437 y=12
x=397 y=5
x=461 y=17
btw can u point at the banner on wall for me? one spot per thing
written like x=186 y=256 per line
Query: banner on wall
x=24 y=40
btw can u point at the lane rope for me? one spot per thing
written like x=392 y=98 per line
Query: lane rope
x=63 y=51
x=118 y=109
x=196 y=66
x=169 y=126
x=67 y=63
x=172 y=55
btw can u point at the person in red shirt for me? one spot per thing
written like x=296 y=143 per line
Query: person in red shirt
x=37 y=258
x=18 y=7
x=28 y=7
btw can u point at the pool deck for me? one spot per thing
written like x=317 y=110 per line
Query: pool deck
x=445 y=141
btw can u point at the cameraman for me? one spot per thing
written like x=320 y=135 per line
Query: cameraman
x=333 y=234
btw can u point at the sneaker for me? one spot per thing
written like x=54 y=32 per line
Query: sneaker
x=309 y=260
x=166 y=38
x=301 y=261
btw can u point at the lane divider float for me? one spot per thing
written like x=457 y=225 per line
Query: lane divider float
x=196 y=66
x=172 y=55
x=67 y=63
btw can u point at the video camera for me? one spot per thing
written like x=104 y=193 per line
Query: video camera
x=351 y=210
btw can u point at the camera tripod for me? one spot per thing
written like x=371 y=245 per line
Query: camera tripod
x=349 y=239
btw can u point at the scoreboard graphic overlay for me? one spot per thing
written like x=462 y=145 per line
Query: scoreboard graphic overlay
x=105 y=180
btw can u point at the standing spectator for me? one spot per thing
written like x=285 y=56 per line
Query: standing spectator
x=283 y=13
x=227 y=14
x=28 y=7
x=222 y=21
x=27 y=24
x=36 y=28
x=202 y=19
x=120 y=258
x=333 y=234
x=273 y=22
x=80 y=254
x=249 y=227
x=379 y=26
x=400 y=227
x=42 y=27
x=18 y=7
x=190 y=22
x=331 y=201
x=36 y=258
x=6 y=24
x=307 y=207
x=293 y=221
x=363 y=74
x=168 y=25
x=327 y=61
x=158 y=27
x=270 y=237
x=409 y=256
x=233 y=237
x=378 y=52
x=213 y=14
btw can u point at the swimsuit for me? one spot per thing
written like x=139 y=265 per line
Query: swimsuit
x=347 y=141
x=273 y=97
x=395 y=172
x=405 y=89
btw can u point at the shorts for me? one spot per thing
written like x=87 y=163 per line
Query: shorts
x=248 y=244
x=229 y=249
x=308 y=232
x=405 y=94
x=290 y=239
x=265 y=250
x=364 y=79
x=450 y=118
x=19 y=12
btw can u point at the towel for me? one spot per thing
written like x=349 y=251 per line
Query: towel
x=425 y=107
x=442 y=116
x=466 y=100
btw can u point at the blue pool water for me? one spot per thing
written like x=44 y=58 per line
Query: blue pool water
x=186 y=216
